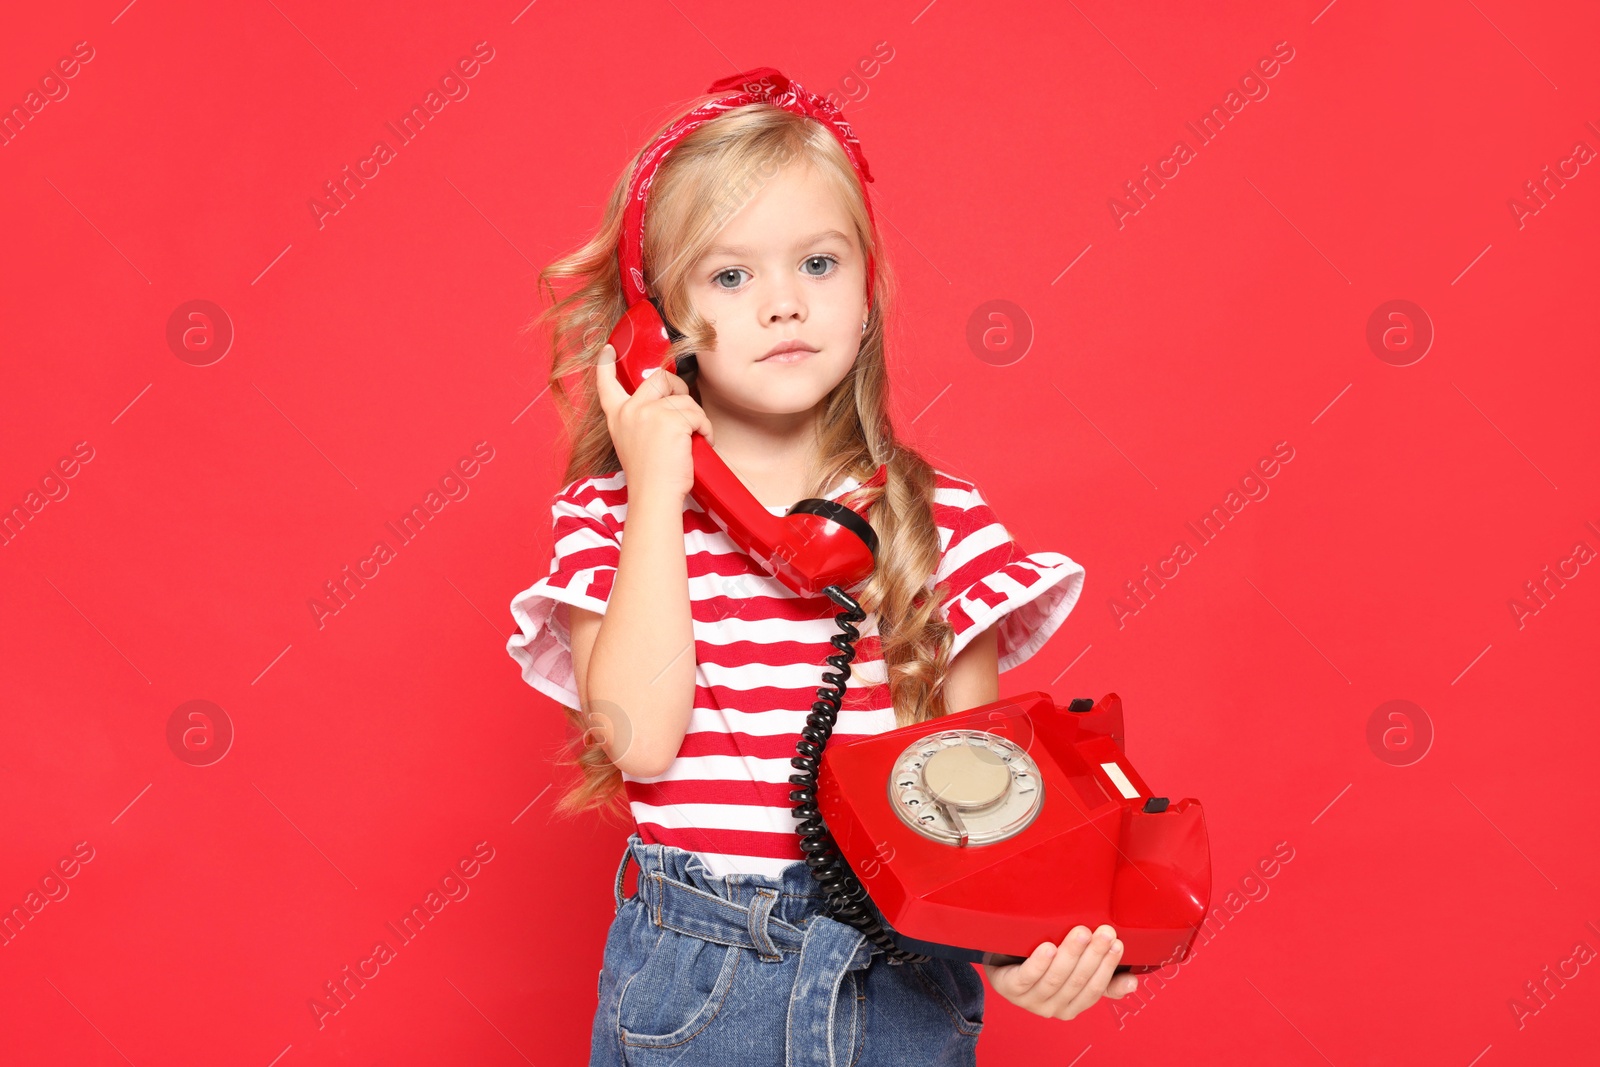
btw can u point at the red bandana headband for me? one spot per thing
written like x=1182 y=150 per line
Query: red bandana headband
x=763 y=84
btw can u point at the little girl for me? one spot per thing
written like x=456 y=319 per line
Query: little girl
x=688 y=672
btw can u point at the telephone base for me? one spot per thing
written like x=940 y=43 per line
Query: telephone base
x=1099 y=849
x=935 y=948
x=957 y=954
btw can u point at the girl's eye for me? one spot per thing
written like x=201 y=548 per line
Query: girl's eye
x=825 y=264
x=826 y=261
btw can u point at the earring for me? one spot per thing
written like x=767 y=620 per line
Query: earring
x=863 y=327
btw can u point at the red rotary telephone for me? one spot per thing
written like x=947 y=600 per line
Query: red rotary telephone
x=999 y=827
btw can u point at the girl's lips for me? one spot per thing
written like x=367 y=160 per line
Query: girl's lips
x=788 y=348
x=789 y=357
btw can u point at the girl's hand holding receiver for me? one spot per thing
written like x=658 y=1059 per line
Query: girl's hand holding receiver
x=1062 y=982
x=651 y=429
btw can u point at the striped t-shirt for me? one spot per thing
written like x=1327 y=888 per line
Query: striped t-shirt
x=760 y=651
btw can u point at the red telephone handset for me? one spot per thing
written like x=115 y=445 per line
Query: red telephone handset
x=974 y=836
x=817 y=544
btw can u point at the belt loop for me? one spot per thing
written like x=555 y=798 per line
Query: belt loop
x=622 y=868
x=760 y=909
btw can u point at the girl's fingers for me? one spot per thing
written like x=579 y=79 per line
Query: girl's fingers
x=1074 y=966
x=693 y=414
x=664 y=383
x=1105 y=977
x=1121 y=985
x=1026 y=975
x=1062 y=959
x=1094 y=986
x=610 y=391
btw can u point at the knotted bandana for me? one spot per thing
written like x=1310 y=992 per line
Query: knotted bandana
x=763 y=84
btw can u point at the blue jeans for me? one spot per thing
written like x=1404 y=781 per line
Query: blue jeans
x=750 y=969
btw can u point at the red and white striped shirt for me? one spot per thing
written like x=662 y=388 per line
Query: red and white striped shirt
x=760 y=651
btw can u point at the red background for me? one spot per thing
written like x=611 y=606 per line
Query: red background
x=373 y=352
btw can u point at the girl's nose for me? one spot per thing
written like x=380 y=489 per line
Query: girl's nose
x=784 y=304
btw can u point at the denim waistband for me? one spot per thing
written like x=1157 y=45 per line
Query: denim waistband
x=770 y=914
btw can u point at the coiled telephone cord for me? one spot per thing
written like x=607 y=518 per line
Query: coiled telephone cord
x=846 y=897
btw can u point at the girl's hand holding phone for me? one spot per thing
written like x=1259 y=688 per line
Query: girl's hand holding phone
x=651 y=430
x=1061 y=982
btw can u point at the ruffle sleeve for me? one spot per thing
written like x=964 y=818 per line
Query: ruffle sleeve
x=585 y=548
x=992 y=582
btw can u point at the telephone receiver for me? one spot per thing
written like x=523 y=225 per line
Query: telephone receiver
x=817 y=543
x=970 y=837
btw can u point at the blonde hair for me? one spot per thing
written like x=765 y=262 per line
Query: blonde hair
x=709 y=174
